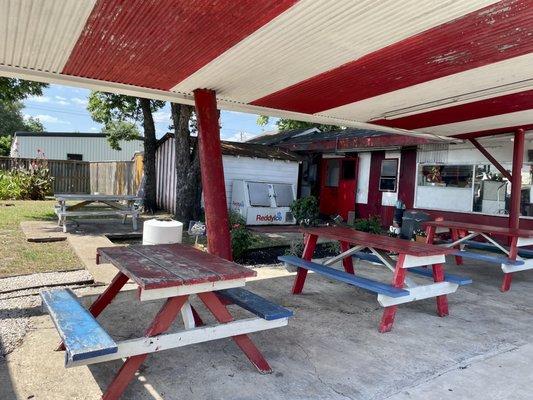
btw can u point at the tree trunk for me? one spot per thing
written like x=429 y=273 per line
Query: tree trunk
x=150 y=143
x=188 y=182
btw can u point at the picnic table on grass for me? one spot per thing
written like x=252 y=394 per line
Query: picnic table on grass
x=122 y=205
x=463 y=232
x=172 y=272
x=412 y=258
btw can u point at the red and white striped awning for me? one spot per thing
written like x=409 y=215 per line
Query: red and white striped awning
x=442 y=67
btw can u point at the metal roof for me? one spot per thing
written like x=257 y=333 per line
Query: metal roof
x=62 y=134
x=252 y=150
x=439 y=68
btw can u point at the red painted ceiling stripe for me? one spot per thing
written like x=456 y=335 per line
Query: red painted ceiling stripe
x=486 y=36
x=158 y=43
x=464 y=112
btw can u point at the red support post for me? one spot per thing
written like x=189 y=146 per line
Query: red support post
x=397 y=281
x=513 y=254
x=442 y=301
x=516 y=181
x=301 y=274
x=347 y=262
x=216 y=208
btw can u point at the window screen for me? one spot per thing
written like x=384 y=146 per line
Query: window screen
x=284 y=195
x=389 y=172
x=332 y=173
x=77 y=157
x=259 y=195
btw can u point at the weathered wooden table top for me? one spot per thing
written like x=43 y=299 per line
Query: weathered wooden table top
x=402 y=246
x=497 y=230
x=167 y=265
x=95 y=197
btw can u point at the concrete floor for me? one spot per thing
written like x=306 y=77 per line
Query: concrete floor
x=330 y=350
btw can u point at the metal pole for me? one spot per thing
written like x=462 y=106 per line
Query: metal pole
x=516 y=181
x=214 y=189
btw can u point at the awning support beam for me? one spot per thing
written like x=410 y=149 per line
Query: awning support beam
x=489 y=157
x=212 y=171
x=516 y=181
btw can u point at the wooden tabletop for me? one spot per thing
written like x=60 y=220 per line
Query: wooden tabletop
x=497 y=230
x=167 y=265
x=382 y=242
x=96 y=197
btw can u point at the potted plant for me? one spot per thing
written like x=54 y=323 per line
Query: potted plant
x=420 y=235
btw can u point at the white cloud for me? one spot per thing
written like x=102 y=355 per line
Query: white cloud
x=39 y=99
x=80 y=101
x=63 y=102
x=94 y=129
x=60 y=98
x=240 y=137
x=49 y=119
x=161 y=116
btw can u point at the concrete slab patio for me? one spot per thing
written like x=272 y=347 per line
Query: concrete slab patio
x=330 y=350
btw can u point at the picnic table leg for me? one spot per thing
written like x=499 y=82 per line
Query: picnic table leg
x=301 y=274
x=397 y=281
x=162 y=321
x=222 y=315
x=105 y=298
x=442 y=301
x=348 y=261
x=513 y=253
x=455 y=237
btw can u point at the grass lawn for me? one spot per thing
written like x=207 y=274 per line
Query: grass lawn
x=22 y=257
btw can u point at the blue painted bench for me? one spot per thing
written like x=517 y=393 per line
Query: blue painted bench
x=332 y=273
x=82 y=335
x=460 y=280
x=486 y=257
x=255 y=304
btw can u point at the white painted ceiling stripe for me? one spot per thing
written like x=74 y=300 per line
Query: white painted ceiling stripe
x=475 y=125
x=315 y=36
x=502 y=73
x=40 y=34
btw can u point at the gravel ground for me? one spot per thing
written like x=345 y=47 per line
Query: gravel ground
x=19 y=301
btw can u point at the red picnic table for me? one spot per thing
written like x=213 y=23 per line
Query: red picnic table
x=411 y=256
x=461 y=232
x=172 y=272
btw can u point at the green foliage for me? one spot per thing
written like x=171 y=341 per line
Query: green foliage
x=284 y=124
x=13 y=90
x=26 y=184
x=241 y=237
x=119 y=115
x=11 y=121
x=305 y=210
x=5 y=145
x=296 y=248
x=371 y=225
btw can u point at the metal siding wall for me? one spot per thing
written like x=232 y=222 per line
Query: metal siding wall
x=92 y=149
x=235 y=168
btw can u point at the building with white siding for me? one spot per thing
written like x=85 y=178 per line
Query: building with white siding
x=71 y=146
x=241 y=161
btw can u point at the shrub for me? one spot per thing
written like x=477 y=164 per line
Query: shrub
x=305 y=210
x=371 y=225
x=241 y=237
x=33 y=183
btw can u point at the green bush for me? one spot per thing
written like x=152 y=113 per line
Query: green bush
x=371 y=225
x=26 y=184
x=241 y=237
x=305 y=210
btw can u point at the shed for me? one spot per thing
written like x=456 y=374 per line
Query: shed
x=241 y=161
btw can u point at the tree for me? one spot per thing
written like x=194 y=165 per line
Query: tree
x=188 y=181
x=284 y=124
x=13 y=90
x=115 y=111
x=11 y=121
x=121 y=130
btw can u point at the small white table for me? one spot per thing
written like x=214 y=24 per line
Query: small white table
x=122 y=205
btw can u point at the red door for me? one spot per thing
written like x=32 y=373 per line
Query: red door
x=338 y=186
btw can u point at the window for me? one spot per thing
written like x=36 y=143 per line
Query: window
x=259 y=194
x=389 y=174
x=332 y=173
x=348 y=170
x=459 y=176
x=283 y=194
x=77 y=157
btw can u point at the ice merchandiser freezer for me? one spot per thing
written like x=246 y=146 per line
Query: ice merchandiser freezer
x=263 y=203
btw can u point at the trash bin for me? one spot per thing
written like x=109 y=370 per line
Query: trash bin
x=411 y=221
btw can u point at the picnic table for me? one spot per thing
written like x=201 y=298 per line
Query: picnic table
x=462 y=232
x=411 y=257
x=122 y=205
x=172 y=272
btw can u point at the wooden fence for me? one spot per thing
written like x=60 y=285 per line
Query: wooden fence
x=113 y=177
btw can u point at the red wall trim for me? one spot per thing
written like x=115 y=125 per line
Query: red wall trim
x=497 y=32
x=492 y=132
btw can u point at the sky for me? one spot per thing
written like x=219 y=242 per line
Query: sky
x=64 y=109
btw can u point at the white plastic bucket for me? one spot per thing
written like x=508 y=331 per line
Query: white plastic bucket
x=162 y=231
